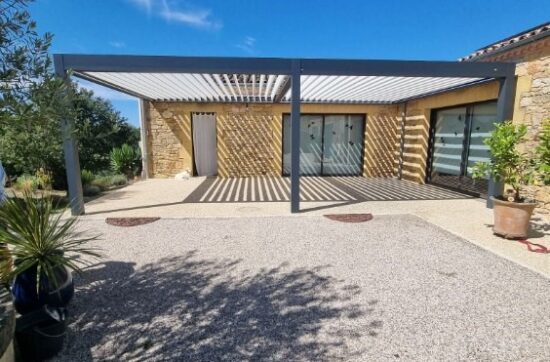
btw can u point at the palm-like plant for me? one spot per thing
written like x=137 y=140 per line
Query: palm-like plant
x=39 y=239
x=124 y=160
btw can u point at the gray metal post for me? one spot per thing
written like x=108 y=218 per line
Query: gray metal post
x=72 y=166
x=402 y=141
x=144 y=148
x=505 y=111
x=295 y=138
x=70 y=149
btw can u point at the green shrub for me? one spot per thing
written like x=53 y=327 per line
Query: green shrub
x=26 y=183
x=543 y=152
x=87 y=177
x=91 y=190
x=119 y=180
x=124 y=160
x=44 y=179
x=509 y=164
x=103 y=182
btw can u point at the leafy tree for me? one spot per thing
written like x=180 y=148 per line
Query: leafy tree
x=99 y=129
x=33 y=101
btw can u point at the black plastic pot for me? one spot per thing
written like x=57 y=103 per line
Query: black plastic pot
x=39 y=335
x=25 y=295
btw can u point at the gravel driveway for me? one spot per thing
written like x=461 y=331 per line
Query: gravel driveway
x=303 y=289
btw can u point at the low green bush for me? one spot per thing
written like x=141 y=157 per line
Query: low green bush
x=119 y=180
x=26 y=183
x=91 y=190
x=103 y=182
x=87 y=177
x=106 y=181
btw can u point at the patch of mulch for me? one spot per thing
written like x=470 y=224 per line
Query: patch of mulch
x=349 y=217
x=130 y=221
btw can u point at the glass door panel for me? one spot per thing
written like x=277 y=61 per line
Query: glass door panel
x=458 y=143
x=448 y=143
x=483 y=119
x=343 y=145
x=311 y=141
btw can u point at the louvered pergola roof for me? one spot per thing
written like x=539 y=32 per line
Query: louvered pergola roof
x=271 y=88
x=267 y=80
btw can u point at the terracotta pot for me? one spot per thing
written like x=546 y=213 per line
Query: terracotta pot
x=512 y=218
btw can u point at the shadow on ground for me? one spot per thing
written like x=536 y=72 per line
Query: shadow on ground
x=189 y=309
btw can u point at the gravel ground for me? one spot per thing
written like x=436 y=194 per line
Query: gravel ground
x=303 y=289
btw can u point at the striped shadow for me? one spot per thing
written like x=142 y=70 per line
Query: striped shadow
x=266 y=189
x=314 y=189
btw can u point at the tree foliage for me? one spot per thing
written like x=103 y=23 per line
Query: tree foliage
x=508 y=163
x=33 y=101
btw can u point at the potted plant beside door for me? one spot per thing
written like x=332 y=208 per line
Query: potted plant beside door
x=516 y=169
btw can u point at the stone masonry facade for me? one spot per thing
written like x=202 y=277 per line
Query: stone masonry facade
x=532 y=103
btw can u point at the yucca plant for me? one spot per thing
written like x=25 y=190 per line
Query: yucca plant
x=124 y=160
x=41 y=240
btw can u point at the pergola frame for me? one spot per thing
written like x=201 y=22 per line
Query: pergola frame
x=294 y=68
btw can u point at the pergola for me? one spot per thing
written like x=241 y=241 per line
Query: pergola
x=275 y=80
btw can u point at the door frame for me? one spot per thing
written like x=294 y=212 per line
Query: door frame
x=465 y=143
x=364 y=116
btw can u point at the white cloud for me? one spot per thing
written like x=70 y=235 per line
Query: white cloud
x=104 y=92
x=187 y=15
x=248 y=44
x=117 y=44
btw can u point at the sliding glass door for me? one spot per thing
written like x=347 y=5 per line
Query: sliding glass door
x=329 y=144
x=457 y=137
x=343 y=145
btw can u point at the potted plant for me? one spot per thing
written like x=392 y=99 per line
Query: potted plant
x=516 y=169
x=43 y=244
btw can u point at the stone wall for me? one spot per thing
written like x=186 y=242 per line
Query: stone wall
x=169 y=139
x=249 y=137
x=532 y=101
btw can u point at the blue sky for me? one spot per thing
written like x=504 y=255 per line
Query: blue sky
x=388 y=29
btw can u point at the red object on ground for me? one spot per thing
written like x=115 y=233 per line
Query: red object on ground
x=535 y=248
x=349 y=217
x=130 y=221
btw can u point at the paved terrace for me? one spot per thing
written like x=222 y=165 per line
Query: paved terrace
x=459 y=214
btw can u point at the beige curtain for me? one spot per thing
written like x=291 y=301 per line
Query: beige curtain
x=204 y=144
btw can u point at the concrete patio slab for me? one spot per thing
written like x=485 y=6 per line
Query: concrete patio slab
x=467 y=218
x=303 y=289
